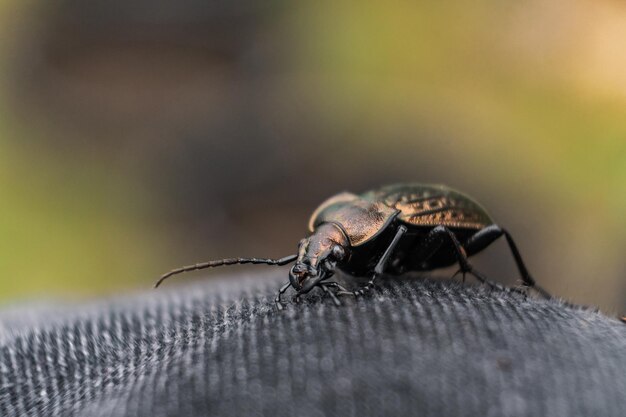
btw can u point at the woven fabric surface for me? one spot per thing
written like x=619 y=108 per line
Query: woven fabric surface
x=416 y=347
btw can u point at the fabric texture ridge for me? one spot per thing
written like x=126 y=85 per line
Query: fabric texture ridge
x=220 y=347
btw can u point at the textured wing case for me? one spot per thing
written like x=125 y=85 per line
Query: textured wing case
x=431 y=205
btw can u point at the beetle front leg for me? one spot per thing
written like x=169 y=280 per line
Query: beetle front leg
x=336 y=285
x=341 y=290
x=329 y=292
x=281 y=291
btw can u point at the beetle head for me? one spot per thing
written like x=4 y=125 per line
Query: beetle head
x=318 y=256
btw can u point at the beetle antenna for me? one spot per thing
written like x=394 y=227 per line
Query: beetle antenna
x=228 y=261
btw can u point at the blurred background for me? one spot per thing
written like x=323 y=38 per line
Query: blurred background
x=139 y=136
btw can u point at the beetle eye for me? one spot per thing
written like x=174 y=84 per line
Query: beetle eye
x=338 y=252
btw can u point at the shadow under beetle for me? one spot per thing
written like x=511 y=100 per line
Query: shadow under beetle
x=391 y=230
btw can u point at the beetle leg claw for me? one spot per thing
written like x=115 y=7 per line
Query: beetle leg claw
x=522 y=289
x=493 y=285
x=331 y=293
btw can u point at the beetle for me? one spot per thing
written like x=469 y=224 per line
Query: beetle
x=392 y=230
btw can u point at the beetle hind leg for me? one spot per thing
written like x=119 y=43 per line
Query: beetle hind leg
x=487 y=235
x=439 y=235
x=493 y=285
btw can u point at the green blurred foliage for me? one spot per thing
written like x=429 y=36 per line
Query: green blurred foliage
x=60 y=223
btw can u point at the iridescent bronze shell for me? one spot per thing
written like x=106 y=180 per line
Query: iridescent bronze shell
x=364 y=216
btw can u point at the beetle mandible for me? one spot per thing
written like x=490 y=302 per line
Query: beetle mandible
x=391 y=230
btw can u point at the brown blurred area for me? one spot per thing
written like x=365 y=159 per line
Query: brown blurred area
x=138 y=136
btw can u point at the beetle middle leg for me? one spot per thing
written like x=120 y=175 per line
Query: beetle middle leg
x=432 y=244
x=380 y=266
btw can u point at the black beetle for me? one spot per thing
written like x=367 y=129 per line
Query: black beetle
x=391 y=230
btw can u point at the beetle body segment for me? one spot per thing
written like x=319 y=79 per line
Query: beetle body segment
x=360 y=219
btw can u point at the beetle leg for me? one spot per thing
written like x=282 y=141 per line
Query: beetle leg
x=334 y=284
x=433 y=242
x=382 y=263
x=366 y=288
x=460 y=271
x=490 y=233
x=480 y=277
x=331 y=293
x=466 y=268
x=282 y=290
x=340 y=289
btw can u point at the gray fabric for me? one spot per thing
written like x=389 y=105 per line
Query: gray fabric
x=420 y=347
